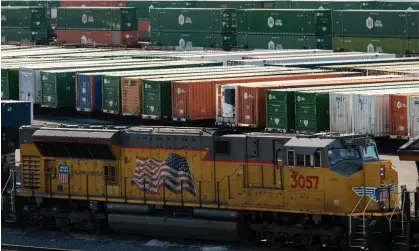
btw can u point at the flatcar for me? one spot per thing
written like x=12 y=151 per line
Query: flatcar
x=216 y=184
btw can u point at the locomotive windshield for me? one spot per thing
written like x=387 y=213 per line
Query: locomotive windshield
x=347 y=161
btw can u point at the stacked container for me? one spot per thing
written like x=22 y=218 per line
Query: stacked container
x=97 y=25
x=404 y=115
x=376 y=31
x=187 y=28
x=24 y=23
x=279 y=29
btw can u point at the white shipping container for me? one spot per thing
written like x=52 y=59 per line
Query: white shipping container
x=371 y=110
x=413 y=116
x=30 y=85
x=341 y=105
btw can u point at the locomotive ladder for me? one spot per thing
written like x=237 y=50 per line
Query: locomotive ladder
x=9 y=195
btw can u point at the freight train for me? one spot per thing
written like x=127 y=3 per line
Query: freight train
x=215 y=184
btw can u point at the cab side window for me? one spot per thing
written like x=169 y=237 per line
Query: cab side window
x=291 y=158
x=110 y=174
x=317 y=159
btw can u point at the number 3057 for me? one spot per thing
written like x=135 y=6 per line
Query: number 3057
x=305 y=182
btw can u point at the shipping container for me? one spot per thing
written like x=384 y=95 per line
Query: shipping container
x=189 y=40
x=281 y=111
x=97 y=18
x=250 y=98
x=404 y=112
x=24 y=17
x=194 y=100
x=238 y=4
x=370 y=44
x=120 y=3
x=144 y=29
x=281 y=42
x=371 y=110
x=97 y=37
x=285 y=22
x=9 y=85
x=111 y=84
x=398 y=5
x=334 y=4
x=194 y=20
x=11 y=35
x=58 y=86
x=376 y=23
x=150 y=93
x=15 y=114
x=157 y=93
x=30 y=75
x=144 y=7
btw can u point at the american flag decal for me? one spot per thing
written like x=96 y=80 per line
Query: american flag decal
x=173 y=173
x=64 y=174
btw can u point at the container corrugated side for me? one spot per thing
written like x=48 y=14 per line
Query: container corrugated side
x=89 y=92
x=15 y=114
x=401 y=115
x=413 y=113
x=311 y=112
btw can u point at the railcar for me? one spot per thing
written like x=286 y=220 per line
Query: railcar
x=216 y=184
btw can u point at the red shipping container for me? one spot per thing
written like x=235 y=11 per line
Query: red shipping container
x=97 y=37
x=399 y=114
x=120 y=3
x=195 y=100
x=144 y=29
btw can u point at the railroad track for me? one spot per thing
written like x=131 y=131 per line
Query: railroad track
x=9 y=247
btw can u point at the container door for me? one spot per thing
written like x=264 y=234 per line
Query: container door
x=306 y=112
x=83 y=91
x=27 y=85
x=413 y=113
x=131 y=97
x=246 y=110
x=363 y=114
x=181 y=102
x=277 y=111
x=228 y=104
x=151 y=98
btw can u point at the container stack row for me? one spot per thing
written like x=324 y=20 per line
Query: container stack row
x=97 y=25
x=24 y=24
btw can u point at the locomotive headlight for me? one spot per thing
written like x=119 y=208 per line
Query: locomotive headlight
x=382 y=171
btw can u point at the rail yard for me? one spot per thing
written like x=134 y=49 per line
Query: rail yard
x=293 y=123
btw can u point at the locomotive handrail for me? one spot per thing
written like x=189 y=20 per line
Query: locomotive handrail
x=350 y=216
x=363 y=216
x=397 y=204
x=7 y=182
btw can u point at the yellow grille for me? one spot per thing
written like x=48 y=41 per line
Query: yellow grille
x=31 y=172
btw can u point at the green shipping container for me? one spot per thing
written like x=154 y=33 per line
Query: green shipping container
x=311 y=112
x=23 y=34
x=367 y=44
x=188 y=40
x=194 y=20
x=237 y=4
x=277 y=42
x=157 y=98
x=97 y=18
x=333 y=5
x=143 y=8
x=285 y=4
x=280 y=111
x=111 y=84
x=377 y=23
x=285 y=22
x=398 y=5
x=24 y=17
x=9 y=84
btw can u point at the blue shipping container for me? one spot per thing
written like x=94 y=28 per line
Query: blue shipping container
x=89 y=92
x=15 y=114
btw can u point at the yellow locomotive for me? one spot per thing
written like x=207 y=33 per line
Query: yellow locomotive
x=209 y=184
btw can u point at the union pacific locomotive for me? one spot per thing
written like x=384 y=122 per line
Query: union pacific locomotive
x=216 y=184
